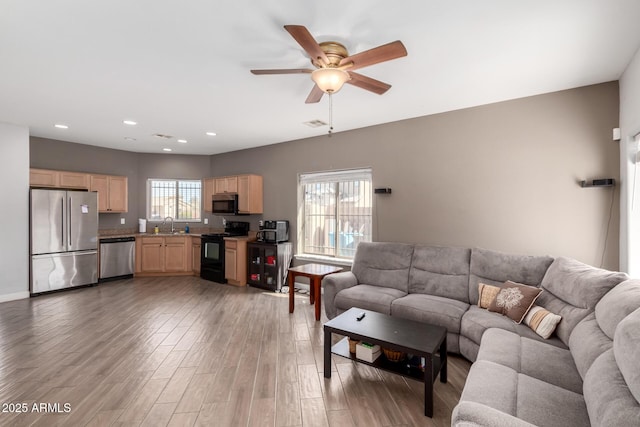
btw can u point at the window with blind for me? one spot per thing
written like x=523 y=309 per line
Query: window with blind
x=179 y=199
x=336 y=212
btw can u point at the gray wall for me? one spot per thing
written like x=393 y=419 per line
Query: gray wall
x=62 y=155
x=14 y=215
x=501 y=176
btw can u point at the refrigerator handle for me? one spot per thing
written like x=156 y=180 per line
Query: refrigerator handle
x=62 y=219
x=69 y=208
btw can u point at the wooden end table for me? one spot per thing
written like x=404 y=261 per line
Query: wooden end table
x=315 y=273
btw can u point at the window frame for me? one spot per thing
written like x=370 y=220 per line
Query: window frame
x=177 y=182
x=335 y=177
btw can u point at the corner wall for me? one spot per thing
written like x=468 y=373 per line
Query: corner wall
x=630 y=205
x=14 y=245
x=502 y=176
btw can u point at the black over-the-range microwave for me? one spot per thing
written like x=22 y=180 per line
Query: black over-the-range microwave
x=226 y=204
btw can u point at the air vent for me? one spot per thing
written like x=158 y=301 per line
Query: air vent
x=315 y=123
x=161 y=135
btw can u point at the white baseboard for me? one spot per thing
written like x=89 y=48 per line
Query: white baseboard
x=14 y=296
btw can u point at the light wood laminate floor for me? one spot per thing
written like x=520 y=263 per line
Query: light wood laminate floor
x=182 y=351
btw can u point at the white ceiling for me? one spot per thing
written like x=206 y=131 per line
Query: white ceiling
x=181 y=68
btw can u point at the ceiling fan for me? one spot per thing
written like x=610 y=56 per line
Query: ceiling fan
x=334 y=65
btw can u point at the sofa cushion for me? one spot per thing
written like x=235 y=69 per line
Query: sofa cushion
x=477 y=320
x=534 y=401
x=440 y=271
x=587 y=342
x=536 y=359
x=572 y=290
x=594 y=334
x=495 y=268
x=514 y=300
x=626 y=349
x=609 y=400
x=374 y=298
x=383 y=264
x=617 y=304
x=445 y=312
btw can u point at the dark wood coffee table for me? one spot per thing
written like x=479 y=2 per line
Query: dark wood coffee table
x=417 y=338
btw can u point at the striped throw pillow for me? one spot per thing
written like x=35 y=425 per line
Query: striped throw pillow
x=542 y=321
x=486 y=294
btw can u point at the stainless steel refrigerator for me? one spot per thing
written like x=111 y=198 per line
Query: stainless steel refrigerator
x=64 y=239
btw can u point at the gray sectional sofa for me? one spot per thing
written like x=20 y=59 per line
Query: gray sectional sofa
x=587 y=373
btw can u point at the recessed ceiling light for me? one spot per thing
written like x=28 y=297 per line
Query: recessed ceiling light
x=129 y=122
x=128 y=138
x=211 y=133
x=166 y=149
x=184 y=141
x=60 y=126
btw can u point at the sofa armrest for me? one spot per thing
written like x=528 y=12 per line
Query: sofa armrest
x=468 y=414
x=333 y=284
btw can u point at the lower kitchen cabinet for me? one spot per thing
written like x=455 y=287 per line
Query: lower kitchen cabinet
x=235 y=261
x=161 y=255
x=151 y=254
x=195 y=255
x=268 y=264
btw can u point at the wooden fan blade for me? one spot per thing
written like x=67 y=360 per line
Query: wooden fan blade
x=308 y=43
x=315 y=95
x=283 y=71
x=367 y=83
x=376 y=55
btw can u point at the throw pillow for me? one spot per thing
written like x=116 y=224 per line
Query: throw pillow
x=486 y=294
x=514 y=300
x=542 y=321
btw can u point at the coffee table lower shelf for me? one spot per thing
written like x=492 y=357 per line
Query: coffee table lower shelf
x=341 y=348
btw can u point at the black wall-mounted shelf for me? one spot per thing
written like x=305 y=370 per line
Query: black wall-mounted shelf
x=604 y=182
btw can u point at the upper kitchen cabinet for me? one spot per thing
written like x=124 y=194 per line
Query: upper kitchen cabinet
x=209 y=189
x=112 y=192
x=226 y=184
x=58 y=179
x=248 y=188
x=249 y=194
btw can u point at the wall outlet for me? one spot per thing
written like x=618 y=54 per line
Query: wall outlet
x=122 y=221
x=206 y=221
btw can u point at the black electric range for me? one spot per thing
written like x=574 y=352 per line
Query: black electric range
x=212 y=250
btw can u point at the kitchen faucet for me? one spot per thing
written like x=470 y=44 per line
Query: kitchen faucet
x=165 y=221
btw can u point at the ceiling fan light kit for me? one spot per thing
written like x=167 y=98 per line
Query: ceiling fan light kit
x=330 y=80
x=335 y=67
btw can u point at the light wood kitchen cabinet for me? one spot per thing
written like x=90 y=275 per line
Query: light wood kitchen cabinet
x=226 y=184
x=151 y=254
x=176 y=254
x=250 y=194
x=112 y=192
x=58 y=179
x=163 y=255
x=74 y=180
x=195 y=255
x=209 y=190
x=44 y=178
x=235 y=261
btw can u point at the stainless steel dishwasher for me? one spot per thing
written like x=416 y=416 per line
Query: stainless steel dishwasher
x=117 y=256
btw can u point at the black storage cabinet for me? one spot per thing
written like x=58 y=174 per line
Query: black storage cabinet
x=267 y=264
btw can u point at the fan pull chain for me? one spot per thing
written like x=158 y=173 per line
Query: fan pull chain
x=330 y=114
